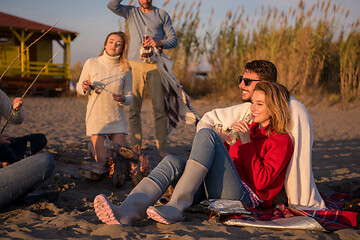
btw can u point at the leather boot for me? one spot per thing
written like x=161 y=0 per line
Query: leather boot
x=182 y=198
x=133 y=208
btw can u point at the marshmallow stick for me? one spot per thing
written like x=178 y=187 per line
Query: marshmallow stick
x=28 y=90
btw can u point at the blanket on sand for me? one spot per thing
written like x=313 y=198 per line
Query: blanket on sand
x=281 y=217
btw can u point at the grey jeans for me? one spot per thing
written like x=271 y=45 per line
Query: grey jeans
x=222 y=180
x=21 y=177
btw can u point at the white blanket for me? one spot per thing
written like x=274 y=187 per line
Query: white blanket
x=299 y=184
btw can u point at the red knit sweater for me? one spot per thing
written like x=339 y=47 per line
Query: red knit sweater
x=262 y=163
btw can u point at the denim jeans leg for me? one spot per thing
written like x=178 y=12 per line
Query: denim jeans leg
x=222 y=180
x=168 y=171
x=25 y=175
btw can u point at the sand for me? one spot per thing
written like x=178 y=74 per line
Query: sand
x=336 y=154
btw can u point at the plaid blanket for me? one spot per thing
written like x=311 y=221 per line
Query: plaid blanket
x=332 y=219
x=177 y=102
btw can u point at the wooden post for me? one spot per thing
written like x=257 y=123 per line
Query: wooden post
x=66 y=46
x=22 y=38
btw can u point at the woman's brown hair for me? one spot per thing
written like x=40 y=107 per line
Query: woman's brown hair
x=277 y=100
x=124 y=64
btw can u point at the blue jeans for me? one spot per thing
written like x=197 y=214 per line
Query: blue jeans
x=23 y=176
x=222 y=180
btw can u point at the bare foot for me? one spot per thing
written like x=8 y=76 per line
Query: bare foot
x=105 y=210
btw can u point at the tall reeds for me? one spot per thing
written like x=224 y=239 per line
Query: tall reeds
x=186 y=22
x=314 y=51
x=350 y=65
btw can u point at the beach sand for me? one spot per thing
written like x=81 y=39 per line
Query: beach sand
x=336 y=168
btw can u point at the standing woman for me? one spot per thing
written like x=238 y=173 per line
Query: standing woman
x=252 y=170
x=107 y=82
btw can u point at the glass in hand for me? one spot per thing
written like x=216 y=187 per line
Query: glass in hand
x=233 y=136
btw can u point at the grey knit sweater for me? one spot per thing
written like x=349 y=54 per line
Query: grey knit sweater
x=157 y=22
x=6 y=109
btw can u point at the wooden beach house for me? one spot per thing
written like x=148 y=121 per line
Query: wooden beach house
x=15 y=35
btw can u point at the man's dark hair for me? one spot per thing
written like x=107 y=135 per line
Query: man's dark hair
x=264 y=69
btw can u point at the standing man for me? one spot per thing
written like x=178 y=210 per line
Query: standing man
x=150 y=21
x=300 y=187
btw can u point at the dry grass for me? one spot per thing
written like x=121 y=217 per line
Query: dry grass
x=308 y=45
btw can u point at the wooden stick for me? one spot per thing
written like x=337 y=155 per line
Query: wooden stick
x=26 y=49
x=12 y=112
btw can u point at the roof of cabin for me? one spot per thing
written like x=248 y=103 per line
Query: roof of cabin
x=11 y=21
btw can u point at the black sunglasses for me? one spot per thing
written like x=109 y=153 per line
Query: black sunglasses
x=247 y=81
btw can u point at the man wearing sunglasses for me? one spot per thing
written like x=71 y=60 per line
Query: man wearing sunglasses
x=300 y=187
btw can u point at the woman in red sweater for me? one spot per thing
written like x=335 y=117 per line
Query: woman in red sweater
x=252 y=170
x=264 y=149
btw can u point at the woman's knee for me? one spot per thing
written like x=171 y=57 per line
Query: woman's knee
x=174 y=162
x=205 y=133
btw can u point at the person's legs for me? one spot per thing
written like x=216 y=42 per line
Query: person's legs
x=7 y=154
x=138 y=83
x=118 y=138
x=100 y=152
x=222 y=180
x=182 y=196
x=157 y=97
x=120 y=165
x=145 y=194
x=208 y=157
x=23 y=176
x=37 y=142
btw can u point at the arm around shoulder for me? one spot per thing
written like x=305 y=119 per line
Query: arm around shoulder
x=301 y=125
x=224 y=117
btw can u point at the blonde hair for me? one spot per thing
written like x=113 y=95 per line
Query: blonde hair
x=277 y=100
x=124 y=64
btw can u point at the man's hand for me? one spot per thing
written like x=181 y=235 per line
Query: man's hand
x=153 y=43
x=119 y=98
x=17 y=104
x=4 y=139
x=243 y=129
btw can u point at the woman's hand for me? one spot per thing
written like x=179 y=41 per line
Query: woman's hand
x=119 y=98
x=243 y=129
x=17 y=104
x=86 y=85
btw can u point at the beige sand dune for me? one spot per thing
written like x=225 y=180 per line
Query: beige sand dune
x=336 y=155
